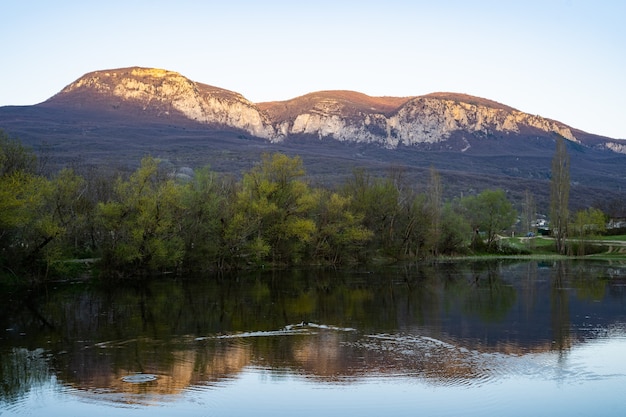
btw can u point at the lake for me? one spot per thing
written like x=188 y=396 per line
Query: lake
x=445 y=339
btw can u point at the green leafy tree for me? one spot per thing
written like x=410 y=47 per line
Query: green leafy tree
x=455 y=231
x=587 y=223
x=141 y=227
x=27 y=223
x=489 y=212
x=26 y=227
x=272 y=212
x=65 y=210
x=72 y=209
x=203 y=221
x=340 y=234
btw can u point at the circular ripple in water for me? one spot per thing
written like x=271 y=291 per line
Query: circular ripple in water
x=139 y=378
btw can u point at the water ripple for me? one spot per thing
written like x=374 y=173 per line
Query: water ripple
x=442 y=363
x=302 y=328
x=139 y=378
x=439 y=362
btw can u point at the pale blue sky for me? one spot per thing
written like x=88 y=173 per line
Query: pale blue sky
x=562 y=59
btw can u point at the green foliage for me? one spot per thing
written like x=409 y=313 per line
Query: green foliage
x=587 y=223
x=489 y=212
x=27 y=223
x=151 y=222
x=73 y=211
x=406 y=225
x=202 y=223
x=455 y=231
x=580 y=247
x=272 y=208
x=340 y=234
x=141 y=226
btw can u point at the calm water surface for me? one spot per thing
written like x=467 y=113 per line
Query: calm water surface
x=469 y=339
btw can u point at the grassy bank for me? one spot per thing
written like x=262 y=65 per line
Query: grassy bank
x=600 y=247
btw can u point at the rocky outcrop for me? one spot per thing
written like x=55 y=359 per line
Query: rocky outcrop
x=338 y=115
x=430 y=120
x=165 y=92
x=419 y=120
x=616 y=147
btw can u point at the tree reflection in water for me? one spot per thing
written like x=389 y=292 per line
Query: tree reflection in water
x=446 y=323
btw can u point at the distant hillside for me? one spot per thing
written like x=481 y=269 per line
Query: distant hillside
x=112 y=118
x=343 y=103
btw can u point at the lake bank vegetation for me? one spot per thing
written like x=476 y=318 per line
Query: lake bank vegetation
x=156 y=220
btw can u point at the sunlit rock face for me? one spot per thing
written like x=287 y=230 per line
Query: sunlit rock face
x=429 y=120
x=340 y=115
x=616 y=147
x=419 y=120
x=164 y=92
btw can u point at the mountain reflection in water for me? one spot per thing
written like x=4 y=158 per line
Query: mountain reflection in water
x=444 y=325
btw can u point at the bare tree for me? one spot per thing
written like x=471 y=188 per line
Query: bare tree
x=435 y=198
x=529 y=215
x=559 y=195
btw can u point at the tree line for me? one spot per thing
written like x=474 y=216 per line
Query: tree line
x=154 y=221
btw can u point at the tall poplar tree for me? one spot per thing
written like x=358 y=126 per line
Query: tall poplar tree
x=559 y=195
x=435 y=207
x=529 y=216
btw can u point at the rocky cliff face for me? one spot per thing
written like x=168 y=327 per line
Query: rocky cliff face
x=339 y=115
x=426 y=119
x=615 y=147
x=163 y=93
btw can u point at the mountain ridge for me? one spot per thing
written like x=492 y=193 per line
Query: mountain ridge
x=114 y=117
x=336 y=114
